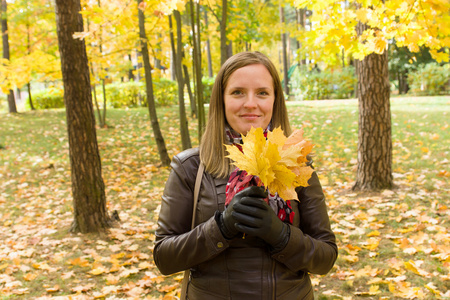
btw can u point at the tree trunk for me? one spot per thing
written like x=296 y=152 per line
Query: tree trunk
x=191 y=97
x=90 y=214
x=100 y=48
x=164 y=156
x=374 y=170
x=157 y=50
x=177 y=54
x=130 y=71
x=198 y=69
x=285 y=60
x=30 y=99
x=208 y=48
x=103 y=124
x=223 y=33
x=356 y=62
x=301 y=21
x=11 y=101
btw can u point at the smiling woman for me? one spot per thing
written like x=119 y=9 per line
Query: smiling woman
x=249 y=102
x=284 y=240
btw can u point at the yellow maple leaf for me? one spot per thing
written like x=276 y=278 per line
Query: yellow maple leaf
x=279 y=161
x=412 y=266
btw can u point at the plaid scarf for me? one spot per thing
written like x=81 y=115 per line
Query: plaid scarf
x=239 y=180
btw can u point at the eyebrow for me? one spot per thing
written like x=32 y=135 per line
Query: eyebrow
x=240 y=87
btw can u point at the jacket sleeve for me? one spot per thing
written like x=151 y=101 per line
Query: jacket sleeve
x=177 y=247
x=312 y=247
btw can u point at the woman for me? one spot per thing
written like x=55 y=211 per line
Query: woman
x=243 y=250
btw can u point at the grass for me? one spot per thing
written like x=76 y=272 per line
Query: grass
x=393 y=244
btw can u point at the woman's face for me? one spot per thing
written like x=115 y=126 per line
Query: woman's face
x=249 y=97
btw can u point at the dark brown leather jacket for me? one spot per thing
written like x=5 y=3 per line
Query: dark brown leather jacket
x=239 y=268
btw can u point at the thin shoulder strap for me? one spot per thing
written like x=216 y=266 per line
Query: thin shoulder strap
x=198 y=182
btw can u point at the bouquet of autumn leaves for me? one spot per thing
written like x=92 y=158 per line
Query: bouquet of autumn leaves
x=277 y=162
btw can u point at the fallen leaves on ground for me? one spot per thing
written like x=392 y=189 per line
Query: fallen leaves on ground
x=392 y=245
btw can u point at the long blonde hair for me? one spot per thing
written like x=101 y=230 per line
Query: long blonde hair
x=212 y=149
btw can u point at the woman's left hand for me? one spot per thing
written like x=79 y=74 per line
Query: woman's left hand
x=255 y=217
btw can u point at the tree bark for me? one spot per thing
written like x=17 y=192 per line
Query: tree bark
x=130 y=71
x=164 y=156
x=90 y=213
x=208 y=48
x=11 y=101
x=100 y=48
x=177 y=54
x=223 y=33
x=191 y=97
x=198 y=69
x=30 y=98
x=284 y=49
x=374 y=170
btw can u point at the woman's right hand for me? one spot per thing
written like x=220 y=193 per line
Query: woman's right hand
x=227 y=221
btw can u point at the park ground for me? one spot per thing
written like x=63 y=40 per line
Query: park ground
x=393 y=244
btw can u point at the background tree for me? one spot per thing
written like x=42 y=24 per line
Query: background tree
x=374 y=170
x=197 y=64
x=178 y=55
x=90 y=213
x=220 y=11
x=110 y=37
x=6 y=56
x=402 y=62
x=284 y=51
x=33 y=48
x=165 y=160
x=413 y=24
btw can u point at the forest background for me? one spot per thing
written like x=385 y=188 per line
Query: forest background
x=319 y=52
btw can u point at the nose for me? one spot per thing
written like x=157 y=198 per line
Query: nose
x=250 y=101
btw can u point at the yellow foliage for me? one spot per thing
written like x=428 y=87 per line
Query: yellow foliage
x=412 y=23
x=279 y=161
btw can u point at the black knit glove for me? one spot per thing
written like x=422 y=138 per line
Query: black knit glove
x=256 y=218
x=226 y=219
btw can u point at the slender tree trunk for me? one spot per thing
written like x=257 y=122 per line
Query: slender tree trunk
x=94 y=91
x=164 y=156
x=11 y=101
x=374 y=170
x=100 y=47
x=99 y=114
x=94 y=87
x=158 y=51
x=30 y=99
x=104 y=104
x=172 y=67
x=198 y=70
x=298 y=13
x=90 y=213
x=177 y=54
x=130 y=71
x=284 y=49
x=191 y=97
x=223 y=33
x=208 y=48
x=301 y=26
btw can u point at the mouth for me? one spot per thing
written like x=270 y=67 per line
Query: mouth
x=250 y=116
